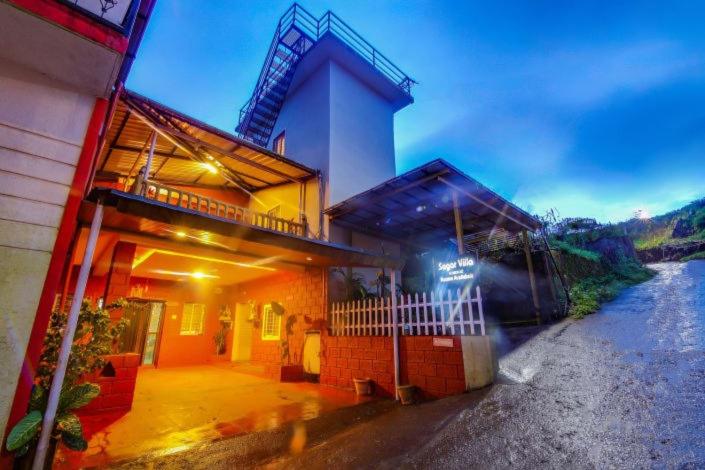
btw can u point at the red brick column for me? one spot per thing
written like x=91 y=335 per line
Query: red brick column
x=118 y=284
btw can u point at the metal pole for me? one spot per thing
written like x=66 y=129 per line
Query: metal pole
x=65 y=350
x=148 y=166
x=458 y=224
x=532 y=279
x=395 y=331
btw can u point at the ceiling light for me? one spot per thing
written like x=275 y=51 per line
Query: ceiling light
x=308 y=258
x=210 y=167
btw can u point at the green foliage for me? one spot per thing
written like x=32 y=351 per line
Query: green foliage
x=699 y=219
x=24 y=431
x=589 y=293
x=697 y=255
x=77 y=396
x=652 y=242
x=96 y=335
x=69 y=427
x=353 y=284
x=575 y=251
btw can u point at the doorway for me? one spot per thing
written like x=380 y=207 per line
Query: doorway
x=242 y=333
x=143 y=331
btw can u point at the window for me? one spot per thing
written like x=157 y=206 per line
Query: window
x=271 y=324
x=279 y=144
x=192 y=320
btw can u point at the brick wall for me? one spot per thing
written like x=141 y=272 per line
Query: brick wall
x=436 y=371
x=116 y=393
x=346 y=357
x=302 y=295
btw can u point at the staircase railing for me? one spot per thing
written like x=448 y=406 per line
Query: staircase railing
x=312 y=29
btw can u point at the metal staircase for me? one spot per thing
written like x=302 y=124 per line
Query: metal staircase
x=297 y=31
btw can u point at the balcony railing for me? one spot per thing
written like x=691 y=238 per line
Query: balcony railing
x=217 y=208
x=117 y=14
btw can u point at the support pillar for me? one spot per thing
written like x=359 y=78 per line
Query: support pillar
x=395 y=330
x=118 y=279
x=458 y=224
x=66 y=342
x=532 y=277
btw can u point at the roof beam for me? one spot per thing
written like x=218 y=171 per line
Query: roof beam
x=214 y=148
x=386 y=195
x=500 y=212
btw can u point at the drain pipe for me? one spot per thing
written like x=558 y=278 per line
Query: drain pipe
x=67 y=341
x=395 y=330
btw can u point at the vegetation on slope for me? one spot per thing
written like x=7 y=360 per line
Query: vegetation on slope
x=698 y=255
x=595 y=277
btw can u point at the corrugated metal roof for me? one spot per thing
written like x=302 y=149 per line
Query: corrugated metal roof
x=417 y=206
x=184 y=149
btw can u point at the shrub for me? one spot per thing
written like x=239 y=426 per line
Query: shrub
x=576 y=251
x=696 y=255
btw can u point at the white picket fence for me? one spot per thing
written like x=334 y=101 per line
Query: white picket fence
x=451 y=313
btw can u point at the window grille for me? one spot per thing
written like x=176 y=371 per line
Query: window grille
x=193 y=319
x=271 y=324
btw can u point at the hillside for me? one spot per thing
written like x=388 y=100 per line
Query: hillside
x=684 y=224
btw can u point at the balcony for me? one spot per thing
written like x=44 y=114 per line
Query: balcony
x=214 y=207
x=117 y=14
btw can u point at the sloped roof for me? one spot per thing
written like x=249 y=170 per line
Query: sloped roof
x=185 y=146
x=418 y=206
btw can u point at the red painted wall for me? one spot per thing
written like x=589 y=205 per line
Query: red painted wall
x=75 y=21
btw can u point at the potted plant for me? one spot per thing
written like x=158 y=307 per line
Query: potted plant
x=220 y=340
x=363 y=386
x=406 y=394
x=96 y=335
x=289 y=372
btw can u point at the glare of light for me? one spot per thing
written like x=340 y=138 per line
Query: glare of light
x=308 y=258
x=210 y=167
x=194 y=275
x=643 y=214
x=181 y=234
x=254 y=265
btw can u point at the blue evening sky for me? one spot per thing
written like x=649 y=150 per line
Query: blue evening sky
x=594 y=108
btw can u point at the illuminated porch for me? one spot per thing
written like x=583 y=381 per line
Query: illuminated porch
x=178 y=408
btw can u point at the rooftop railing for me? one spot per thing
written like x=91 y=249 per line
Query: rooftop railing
x=299 y=17
x=214 y=207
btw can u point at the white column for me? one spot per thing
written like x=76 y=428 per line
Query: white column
x=148 y=166
x=66 y=342
x=395 y=330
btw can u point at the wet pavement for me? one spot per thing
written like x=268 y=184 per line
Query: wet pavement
x=623 y=388
x=177 y=409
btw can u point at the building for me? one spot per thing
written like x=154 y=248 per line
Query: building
x=243 y=248
x=59 y=64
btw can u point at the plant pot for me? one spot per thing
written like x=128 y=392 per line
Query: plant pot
x=406 y=394
x=363 y=386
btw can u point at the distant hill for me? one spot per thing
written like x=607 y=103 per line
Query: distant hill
x=683 y=225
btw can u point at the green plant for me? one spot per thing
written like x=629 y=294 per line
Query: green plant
x=696 y=255
x=574 y=250
x=220 y=339
x=353 y=284
x=95 y=337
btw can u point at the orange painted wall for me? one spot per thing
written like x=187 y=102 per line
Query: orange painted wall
x=175 y=349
